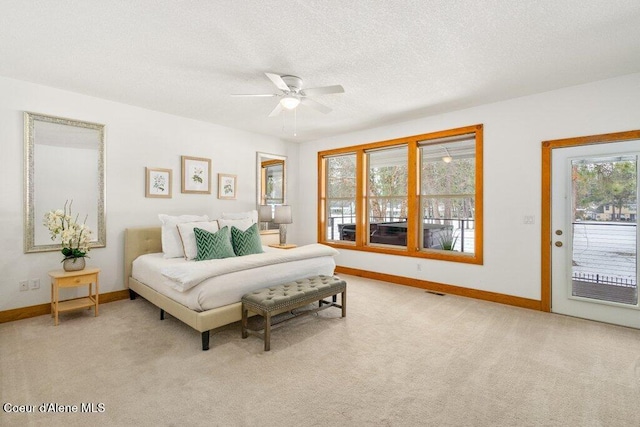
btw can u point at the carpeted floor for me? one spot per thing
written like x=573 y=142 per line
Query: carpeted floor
x=401 y=357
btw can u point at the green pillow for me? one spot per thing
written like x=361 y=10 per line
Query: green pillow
x=213 y=245
x=246 y=242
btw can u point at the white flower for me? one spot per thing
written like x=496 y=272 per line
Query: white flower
x=75 y=238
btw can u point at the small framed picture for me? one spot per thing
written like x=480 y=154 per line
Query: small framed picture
x=226 y=186
x=158 y=182
x=196 y=175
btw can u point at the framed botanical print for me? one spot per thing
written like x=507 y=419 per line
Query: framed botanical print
x=196 y=175
x=226 y=186
x=158 y=182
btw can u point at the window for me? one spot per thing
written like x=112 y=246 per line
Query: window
x=387 y=196
x=417 y=196
x=341 y=197
x=447 y=193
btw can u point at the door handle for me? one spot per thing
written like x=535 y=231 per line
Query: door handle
x=559 y=244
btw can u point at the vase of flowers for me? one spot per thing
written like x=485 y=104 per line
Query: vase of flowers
x=74 y=264
x=75 y=237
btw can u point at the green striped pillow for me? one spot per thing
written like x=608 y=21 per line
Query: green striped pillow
x=213 y=245
x=246 y=242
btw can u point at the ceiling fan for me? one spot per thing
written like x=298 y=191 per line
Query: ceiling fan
x=292 y=94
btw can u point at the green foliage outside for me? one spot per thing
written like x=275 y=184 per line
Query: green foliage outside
x=597 y=184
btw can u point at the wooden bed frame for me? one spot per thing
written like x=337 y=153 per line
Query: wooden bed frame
x=140 y=241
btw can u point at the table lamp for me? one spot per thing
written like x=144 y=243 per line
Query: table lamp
x=265 y=215
x=283 y=217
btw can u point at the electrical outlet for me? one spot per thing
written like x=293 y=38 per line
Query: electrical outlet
x=24 y=285
x=529 y=219
x=34 y=283
x=419 y=266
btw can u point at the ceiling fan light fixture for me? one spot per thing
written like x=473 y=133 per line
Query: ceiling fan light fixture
x=290 y=102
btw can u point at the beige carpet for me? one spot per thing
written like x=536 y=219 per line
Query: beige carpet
x=401 y=357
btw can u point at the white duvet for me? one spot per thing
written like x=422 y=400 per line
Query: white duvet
x=185 y=276
x=227 y=288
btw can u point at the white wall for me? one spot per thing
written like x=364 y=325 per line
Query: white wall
x=513 y=131
x=135 y=138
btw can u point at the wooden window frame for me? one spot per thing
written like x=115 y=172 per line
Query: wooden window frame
x=413 y=196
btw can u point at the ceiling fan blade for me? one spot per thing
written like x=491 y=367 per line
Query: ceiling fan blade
x=277 y=80
x=325 y=90
x=276 y=110
x=315 y=105
x=253 y=95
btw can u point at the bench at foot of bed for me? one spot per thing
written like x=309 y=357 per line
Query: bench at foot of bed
x=270 y=301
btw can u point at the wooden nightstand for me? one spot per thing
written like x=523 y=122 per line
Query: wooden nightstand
x=285 y=246
x=71 y=279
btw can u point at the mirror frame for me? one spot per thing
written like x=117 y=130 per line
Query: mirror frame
x=260 y=157
x=29 y=178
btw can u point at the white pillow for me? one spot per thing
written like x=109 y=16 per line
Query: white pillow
x=242 y=224
x=171 y=243
x=188 y=237
x=252 y=215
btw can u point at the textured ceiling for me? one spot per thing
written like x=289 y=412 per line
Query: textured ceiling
x=397 y=60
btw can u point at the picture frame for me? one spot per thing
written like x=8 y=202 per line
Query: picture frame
x=158 y=182
x=196 y=175
x=227 y=186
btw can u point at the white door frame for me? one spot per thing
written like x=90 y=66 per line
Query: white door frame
x=546 y=237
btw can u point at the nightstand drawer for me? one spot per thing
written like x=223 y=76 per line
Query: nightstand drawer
x=84 y=279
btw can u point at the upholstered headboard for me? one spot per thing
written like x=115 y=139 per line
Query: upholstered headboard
x=139 y=241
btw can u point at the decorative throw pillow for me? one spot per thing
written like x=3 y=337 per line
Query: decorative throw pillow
x=213 y=245
x=171 y=243
x=188 y=236
x=252 y=215
x=246 y=242
x=241 y=223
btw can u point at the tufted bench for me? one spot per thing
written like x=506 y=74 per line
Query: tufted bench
x=278 y=299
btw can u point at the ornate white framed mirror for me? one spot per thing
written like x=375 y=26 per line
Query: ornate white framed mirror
x=64 y=161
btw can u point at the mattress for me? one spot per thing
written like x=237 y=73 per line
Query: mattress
x=228 y=288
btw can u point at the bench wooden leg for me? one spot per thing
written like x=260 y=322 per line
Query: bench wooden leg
x=267 y=331
x=344 y=303
x=244 y=322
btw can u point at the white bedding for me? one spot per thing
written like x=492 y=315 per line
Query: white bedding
x=226 y=288
x=186 y=276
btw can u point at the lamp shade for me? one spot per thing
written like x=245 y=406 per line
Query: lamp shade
x=283 y=215
x=265 y=213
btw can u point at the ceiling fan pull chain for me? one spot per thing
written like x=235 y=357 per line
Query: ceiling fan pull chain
x=283 y=122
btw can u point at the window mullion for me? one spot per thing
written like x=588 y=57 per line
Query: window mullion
x=413 y=203
x=361 y=192
x=322 y=198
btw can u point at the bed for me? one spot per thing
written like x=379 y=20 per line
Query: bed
x=199 y=306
